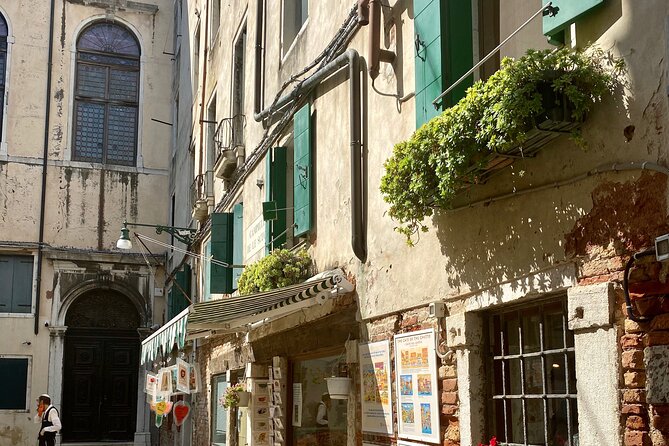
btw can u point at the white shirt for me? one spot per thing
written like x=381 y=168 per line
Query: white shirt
x=53 y=418
x=322 y=414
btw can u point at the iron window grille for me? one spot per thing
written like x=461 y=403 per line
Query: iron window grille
x=106 y=95
x=533 y=385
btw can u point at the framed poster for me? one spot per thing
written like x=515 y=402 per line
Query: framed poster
x=377 y=406
x=183 y=378
x=416 y=380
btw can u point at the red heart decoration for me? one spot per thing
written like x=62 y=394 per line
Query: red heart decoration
x=180 y=411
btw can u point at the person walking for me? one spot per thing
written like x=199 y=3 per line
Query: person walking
x=50 y=421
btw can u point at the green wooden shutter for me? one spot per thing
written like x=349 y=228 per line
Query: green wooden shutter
x=14 y=376
x=207 y=273
x=238 y=242
x=443 y=52
x=178 y=301
x=22 y=285
x=221 y=249
x=276 y=165
x=302 y=171
x=16 y=277
x=569 y=11
x=6 y=273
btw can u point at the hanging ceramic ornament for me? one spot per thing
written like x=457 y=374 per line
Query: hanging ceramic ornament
x=159 y=420
x=181 y=412
x=163 y=407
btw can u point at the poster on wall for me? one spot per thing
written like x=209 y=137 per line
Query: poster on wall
x=377 y=407
x=297 y=404
x=417 y=389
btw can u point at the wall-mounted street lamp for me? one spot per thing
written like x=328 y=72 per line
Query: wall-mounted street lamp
x=184 y=235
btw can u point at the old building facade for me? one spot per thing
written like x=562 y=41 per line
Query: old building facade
x=298 y=104
x=85 y=146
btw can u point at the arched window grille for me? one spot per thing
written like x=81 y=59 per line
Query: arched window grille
x=106 y=95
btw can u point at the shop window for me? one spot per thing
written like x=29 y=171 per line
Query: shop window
x=295 y=13
x=219 y=414
x=107 y=95
x=321 y=420
x=533 y=382
x=16 y=276
x=14 y=375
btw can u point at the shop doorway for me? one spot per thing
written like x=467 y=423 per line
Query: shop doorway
x=100 y=368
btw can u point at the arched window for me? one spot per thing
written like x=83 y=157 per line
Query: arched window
x=4 y=31
x=107 y=95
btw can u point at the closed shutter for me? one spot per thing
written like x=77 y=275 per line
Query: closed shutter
x=14 y=376
x=443 y=52
x=238 y=242
x=16 y=277
x=221 y=249
x=302 y=171
x=275 y=178
x=569 y=11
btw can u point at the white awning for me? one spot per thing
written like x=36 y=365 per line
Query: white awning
x=173 y=332
x=237 y=314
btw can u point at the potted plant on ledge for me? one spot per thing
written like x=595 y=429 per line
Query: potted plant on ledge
x=236 y=396
x=513 y=114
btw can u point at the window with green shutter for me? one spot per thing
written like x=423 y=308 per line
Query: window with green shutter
x=302 y=171
x=14 y=376
x=443 y=52
x=16 y=277
x=238 y=242
x=220 y=277
x=276 y=166
x=569 y=11
x=206 y=293
x=177 y=300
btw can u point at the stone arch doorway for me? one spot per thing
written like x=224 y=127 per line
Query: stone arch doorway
x=100 y=368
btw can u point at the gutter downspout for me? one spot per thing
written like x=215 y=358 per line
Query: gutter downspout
x=259 y=56
x=45 y=155
x=352 y=59
x=205 y=56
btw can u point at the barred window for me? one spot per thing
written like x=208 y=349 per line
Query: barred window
x=106 y=95
x=533 y=377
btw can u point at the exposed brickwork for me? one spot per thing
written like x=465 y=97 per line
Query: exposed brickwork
x=645 y=425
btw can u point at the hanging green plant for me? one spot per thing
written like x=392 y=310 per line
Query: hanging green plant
x=495 y=119
x=278 y=269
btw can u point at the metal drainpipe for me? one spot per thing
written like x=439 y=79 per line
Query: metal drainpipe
x=259 y=56
x=204 y=82
x=45 y=154
x=352 y=59
x=376 y=54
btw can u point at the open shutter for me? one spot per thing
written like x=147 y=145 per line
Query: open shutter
x=221 y=249
x=178 y=301
x=238 y=242
x=275 y=177
x=569 y=11
x=302 y=171
x=443 y=52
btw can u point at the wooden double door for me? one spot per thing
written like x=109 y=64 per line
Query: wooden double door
x=100 y=375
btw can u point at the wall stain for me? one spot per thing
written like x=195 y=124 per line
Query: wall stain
x=68 y=179
x=101 y=210
x=14 y=435
x=630 y=215
x=83 y=177
x=62 y=29
x=134 y=196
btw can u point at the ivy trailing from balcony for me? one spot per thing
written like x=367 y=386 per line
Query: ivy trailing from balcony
x=278 y=269
x=453 y=149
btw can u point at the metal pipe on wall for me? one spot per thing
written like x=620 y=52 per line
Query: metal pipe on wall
x=45 y=155
x=376 y=54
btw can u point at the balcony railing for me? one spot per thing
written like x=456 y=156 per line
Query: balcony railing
x=202 y=187
x=229 y=134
